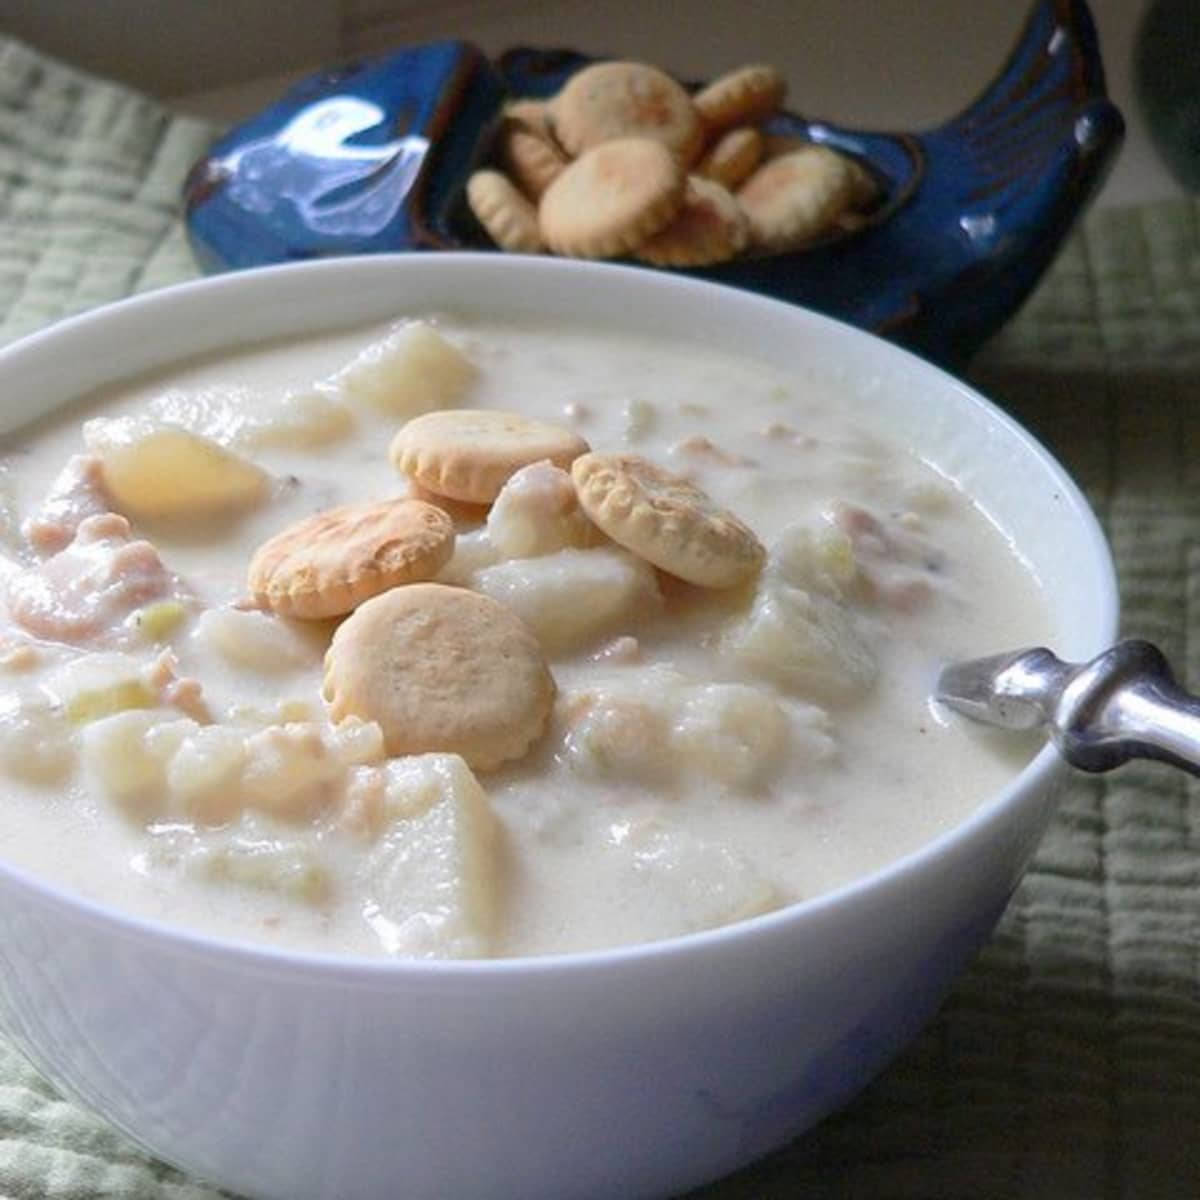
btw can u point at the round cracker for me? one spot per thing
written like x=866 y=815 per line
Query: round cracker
x=792 y=199
x=612 y=199
x=535 y=114
x=709 y=228
x=510 y=220
x=330 y=563
x=441 y=669
x=742 y=97
x=626 y=99
x=732 y=157
x=864 y=185
x=666 y=520
x=469 y=453
x=532 y=160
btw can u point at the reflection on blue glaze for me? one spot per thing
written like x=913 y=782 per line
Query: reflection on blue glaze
x=375 y=157
x=335 y=187
x=350 y=161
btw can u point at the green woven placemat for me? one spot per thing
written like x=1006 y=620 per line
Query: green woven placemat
x=1066 y=1063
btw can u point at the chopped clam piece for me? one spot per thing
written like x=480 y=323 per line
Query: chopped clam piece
x=76 y=493
x=291 y=771
x=86 y=592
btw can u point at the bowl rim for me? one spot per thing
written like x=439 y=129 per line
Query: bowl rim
x=1038 y=773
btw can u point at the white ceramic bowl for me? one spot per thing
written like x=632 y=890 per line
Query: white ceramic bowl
x=631 y=1072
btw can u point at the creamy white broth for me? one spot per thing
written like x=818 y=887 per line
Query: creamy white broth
x=589 y=851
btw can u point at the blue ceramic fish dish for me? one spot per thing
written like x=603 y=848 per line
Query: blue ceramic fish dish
x=375 y=157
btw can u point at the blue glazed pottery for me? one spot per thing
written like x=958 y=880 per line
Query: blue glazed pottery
x=375 y=156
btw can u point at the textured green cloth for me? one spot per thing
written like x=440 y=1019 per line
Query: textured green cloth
x=1066 y=1063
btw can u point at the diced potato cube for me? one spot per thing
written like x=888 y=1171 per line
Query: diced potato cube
x=91 y=706
x=411 y=371
x=217 y=412
x=305 y=419
x=301 y=420
x=472 y=552
x=611 y=735
x=98 y=685
x=432 y=877
x=537 y=512
x=257 y=641
x=159 y=473
x=805 y=642
x=694 y=884
x=125 y=757
x=819 y=560
x=256 y=854
x=35 y=742
x=731 y=732
x=204 y=774
x=573 y=597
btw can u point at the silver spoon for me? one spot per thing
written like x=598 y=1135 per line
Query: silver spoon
x=1123 y=704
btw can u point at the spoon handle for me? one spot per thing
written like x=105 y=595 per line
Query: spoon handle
x=1126 y=704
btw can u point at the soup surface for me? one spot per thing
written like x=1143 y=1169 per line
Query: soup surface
x=711 y=753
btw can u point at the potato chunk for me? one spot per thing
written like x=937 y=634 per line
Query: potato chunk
x=94 y=686
x=163 y=473
x=730 y=732
x=431 y=876
x=35 y=741
x=802 y=632
x=537 y=512
x=658 y=724
x=689 y=884
x=125 y=757
x=308 y=419
x=253 y=852
x=805 y=642
x=411 y=371
x=257 y=641
x=573 y=597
